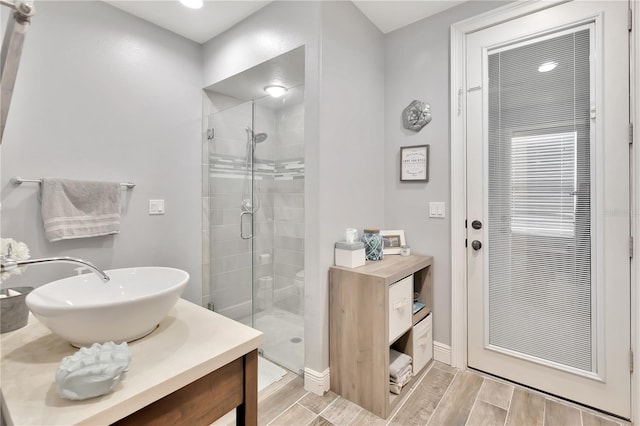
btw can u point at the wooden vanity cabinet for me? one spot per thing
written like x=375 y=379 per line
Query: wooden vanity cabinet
x=371 y=310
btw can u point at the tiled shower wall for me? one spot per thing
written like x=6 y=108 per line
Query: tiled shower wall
x=288 y=236
x=279 y=222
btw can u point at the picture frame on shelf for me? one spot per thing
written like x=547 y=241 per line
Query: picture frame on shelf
x=414 y=163
x=392 y=241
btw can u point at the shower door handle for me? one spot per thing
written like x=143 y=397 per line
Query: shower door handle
x=242 y=226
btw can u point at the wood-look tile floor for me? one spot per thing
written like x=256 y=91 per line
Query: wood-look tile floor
x=441 y=396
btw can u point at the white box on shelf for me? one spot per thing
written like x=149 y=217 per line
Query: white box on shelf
x=350 y=255
x=400 y=303
x=422 y=344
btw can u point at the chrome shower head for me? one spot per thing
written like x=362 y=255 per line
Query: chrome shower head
x=255 y=137
x=260 y=137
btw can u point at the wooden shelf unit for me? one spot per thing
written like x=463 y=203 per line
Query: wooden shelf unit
x=359 y=327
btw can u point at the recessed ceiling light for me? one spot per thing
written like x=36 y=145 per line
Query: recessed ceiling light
x=547 y=66
x=275 y=91
x=192 y=4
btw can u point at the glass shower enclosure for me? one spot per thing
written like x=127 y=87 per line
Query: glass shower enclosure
x=255 y=207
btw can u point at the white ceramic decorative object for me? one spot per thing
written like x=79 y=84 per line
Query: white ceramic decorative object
x=93 y=371
x=84 y=310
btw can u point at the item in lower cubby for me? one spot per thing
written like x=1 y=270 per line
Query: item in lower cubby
x=417 y=306
x=400 y=370
x=393 y=388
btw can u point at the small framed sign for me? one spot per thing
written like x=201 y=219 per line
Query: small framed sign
x=414 y=163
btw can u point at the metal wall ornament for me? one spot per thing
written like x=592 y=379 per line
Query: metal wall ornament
x=416 y=115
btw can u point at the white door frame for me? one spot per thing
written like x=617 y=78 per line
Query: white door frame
x=458 y=178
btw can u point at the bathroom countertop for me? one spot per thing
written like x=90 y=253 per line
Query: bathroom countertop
x=189 y=344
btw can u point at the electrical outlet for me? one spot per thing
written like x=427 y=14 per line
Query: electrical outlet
x=156 y=206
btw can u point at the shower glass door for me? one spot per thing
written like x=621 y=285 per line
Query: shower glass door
x=255 y=208
x=230 y=191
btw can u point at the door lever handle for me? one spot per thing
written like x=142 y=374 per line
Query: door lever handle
x=242 y=226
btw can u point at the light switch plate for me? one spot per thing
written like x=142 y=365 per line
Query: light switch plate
x=437 y=209
x=156 y=206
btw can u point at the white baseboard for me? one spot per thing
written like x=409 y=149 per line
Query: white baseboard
x=442 y=352
x=315 y=382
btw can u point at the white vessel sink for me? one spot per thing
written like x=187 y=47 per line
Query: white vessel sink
x=85 y=310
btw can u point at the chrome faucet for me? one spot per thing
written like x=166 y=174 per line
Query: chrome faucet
x=7 y=264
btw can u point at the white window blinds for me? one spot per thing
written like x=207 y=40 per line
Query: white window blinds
x=543 y=184
x=539 y=200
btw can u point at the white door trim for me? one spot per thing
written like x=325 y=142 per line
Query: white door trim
x=458 y=179
x=635 y=222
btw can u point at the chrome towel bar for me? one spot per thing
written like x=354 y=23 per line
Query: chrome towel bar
x=19 y=181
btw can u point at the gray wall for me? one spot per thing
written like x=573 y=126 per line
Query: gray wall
x=273 y=30
x=103 y=95
x=351 y=146
x=343 y=135
x=417 y=67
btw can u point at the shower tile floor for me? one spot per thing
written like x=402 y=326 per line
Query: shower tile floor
x=283 y=337
x=268 y=373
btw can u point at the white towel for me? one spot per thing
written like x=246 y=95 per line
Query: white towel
x=404 y=376
x=396 y=385
x=397 y=361
x=79 y=209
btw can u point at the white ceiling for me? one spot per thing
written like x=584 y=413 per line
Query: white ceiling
x=216 y=16
x=199 y=25
x=389 y=15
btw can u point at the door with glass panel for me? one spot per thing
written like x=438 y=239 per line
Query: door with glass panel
x=548 y=202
